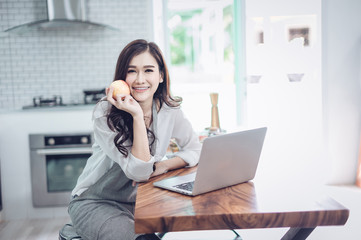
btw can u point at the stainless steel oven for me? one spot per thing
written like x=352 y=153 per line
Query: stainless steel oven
x=56 y=161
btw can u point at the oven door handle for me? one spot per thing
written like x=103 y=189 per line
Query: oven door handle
x=64 y=151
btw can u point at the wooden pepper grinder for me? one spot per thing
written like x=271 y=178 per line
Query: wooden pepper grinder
x=215 y=116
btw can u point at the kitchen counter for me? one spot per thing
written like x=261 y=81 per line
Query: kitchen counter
x=74 y=107
x=15 y=127
x=71 y=107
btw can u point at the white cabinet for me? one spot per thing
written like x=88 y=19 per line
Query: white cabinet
x=15 y=128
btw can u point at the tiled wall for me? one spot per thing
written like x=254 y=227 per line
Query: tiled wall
x=64 y=62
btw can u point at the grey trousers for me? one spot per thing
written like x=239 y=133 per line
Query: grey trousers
x=103 y=219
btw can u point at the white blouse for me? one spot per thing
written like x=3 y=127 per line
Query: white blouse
x=170 y=123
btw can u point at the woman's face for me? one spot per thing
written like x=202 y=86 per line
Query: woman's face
x=143 y=77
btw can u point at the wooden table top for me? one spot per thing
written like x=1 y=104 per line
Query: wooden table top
x=243 y=206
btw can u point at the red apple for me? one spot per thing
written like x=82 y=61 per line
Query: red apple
x=120 y=87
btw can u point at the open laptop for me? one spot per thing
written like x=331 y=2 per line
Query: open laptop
x=225 y=160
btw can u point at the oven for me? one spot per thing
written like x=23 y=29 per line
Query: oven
x=56 y=161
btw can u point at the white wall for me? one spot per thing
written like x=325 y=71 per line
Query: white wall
x=341 y=86
x=292 y=111
x=65 y=62
x=323 y=140
x=341 y=110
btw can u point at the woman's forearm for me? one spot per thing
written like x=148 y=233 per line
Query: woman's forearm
x=174 y=163
x=140 y=148
x=167 y=165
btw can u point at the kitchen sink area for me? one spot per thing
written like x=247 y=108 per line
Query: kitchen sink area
x=90 y=97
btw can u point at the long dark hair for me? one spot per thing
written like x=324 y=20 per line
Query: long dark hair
x=122 y=122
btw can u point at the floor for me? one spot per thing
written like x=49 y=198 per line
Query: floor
x=349 y=196
x=48 y=229
x=35 y=229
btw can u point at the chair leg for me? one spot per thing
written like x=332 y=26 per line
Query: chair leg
x=238 y=237
x=61 y=238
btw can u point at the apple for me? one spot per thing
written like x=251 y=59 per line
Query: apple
x=120 y=87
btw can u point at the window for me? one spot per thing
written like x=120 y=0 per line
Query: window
x=199 y=38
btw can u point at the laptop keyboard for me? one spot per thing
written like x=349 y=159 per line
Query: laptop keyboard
x=185 y=186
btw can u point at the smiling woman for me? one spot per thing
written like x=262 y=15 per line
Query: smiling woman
x=132 y=134
x=143 y=78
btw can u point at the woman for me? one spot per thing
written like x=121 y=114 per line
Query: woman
x=131 y=134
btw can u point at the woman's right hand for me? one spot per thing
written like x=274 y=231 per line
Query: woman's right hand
x=125 y=102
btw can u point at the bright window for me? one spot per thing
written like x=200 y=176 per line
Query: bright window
x=201 y=60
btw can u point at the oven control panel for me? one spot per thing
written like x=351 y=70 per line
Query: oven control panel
x=60 y=140
x=67 y=140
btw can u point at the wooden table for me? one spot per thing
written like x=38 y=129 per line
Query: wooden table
x=243 y=206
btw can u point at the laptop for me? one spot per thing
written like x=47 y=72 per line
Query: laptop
x=225 y=160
